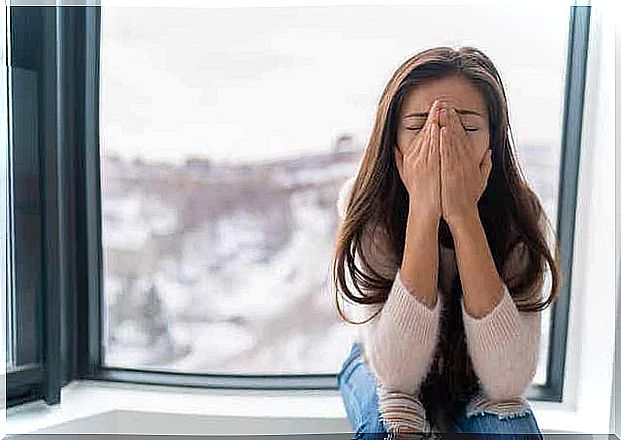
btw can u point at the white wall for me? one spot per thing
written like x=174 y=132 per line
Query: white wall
x=615 y=427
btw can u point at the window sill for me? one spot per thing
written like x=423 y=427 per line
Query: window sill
x=147 y=409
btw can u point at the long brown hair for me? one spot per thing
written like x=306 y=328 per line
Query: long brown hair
x=511 y=213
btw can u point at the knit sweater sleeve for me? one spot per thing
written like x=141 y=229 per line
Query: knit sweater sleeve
x=504 y=345
x=399 y=342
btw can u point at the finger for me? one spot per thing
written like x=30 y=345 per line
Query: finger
x=433 y=117
x=484 y=171
x=442 y=115
x=486 y=165
x=433 y=155
x=445 y=151
x=485 y=157
x=426 y=147
x=424 y=137
x=458 y=136
x=441 y=149
x=455 y=123
x=418 y=141
x=399 y=161
x=452 y=148
x=457 y=148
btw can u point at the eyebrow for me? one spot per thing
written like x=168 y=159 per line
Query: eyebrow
x=460 y=111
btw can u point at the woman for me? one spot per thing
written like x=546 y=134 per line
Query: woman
x=447 y=245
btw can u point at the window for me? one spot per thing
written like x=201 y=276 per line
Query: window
x=210 y=253
x=24 y=263
x=193 y=212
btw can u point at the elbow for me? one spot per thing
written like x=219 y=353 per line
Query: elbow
x=507 y=374
x=504 y=391
x=397 y=372
x=508 y=384
x=399 y=384
x=394 y=380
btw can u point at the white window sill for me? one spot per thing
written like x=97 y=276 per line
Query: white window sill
x=181 y=411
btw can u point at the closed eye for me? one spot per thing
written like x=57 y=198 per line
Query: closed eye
x=420 y=128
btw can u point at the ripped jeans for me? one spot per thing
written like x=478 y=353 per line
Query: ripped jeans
x=489 y=419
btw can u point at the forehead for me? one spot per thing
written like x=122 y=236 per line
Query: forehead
x=455 y=90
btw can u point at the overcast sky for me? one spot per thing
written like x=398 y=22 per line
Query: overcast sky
x=251 y=84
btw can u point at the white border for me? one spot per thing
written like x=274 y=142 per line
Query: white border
x=589 y=366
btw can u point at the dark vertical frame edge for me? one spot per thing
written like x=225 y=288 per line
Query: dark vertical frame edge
x=575 y=79
x=49 y=190
x=90 y=311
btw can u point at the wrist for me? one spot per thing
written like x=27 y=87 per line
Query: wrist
x=424 y=217
x=464 y=220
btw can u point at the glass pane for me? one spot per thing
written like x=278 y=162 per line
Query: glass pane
x=25 y=222
x=226 y=134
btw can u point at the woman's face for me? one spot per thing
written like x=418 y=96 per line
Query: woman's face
x=472 y=112
x=459 y=94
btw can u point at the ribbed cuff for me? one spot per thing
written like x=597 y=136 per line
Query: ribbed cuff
x=402 y=412
x=500 y=327
x=409 y=314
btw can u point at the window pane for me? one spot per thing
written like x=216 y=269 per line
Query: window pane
x=25 y=222
x=226 y=134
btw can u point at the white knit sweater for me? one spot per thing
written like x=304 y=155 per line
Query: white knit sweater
x=400 y=341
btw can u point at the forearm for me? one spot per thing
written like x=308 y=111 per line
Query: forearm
x=504 y=345
x=402 y=343
x=481 y=283
x=419 y=267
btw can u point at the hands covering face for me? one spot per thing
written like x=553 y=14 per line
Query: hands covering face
x=463 y=175
x=441 y=169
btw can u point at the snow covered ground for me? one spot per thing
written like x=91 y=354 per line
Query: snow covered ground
x=206 y=277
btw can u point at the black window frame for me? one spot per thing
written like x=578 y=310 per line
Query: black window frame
x=61 y=44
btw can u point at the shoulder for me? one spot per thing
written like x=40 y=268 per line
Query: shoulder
x=374 y=240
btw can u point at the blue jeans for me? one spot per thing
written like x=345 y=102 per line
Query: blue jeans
x=357 y=386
